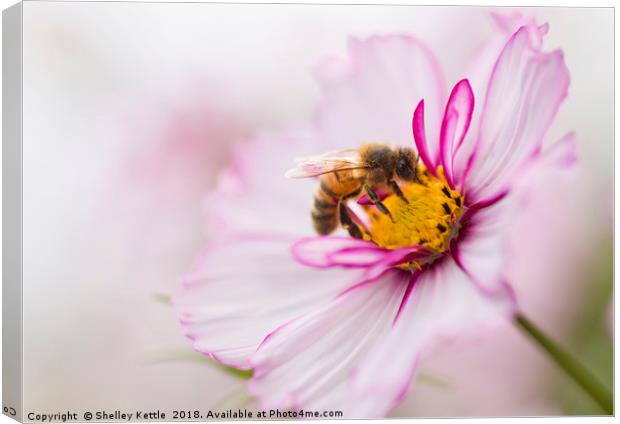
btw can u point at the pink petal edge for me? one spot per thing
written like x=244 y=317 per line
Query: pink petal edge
x=419 y=136
x=456 y=121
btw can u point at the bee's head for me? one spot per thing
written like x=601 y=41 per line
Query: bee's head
x=381 y=161
x=406 y=164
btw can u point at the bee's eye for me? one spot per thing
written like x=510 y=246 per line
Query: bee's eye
x=404 y=169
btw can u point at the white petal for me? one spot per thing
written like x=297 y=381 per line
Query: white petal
x=371 y=96
x=243 y=289
x=305 y=364
x=443 y=305
x=523 y=96
x=483 y=249
x=480 y=66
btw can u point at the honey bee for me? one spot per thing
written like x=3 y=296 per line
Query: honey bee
x=345 y=174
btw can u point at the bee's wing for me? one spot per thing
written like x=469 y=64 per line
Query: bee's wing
x=338 y=160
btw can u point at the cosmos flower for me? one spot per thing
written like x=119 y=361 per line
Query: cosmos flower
x=339 y=323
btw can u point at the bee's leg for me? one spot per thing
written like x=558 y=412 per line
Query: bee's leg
x=347 y=222
x=394 y=185
x=377 y=202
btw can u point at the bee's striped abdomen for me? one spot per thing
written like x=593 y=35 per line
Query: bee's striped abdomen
x=324 y=211
x=332 y=188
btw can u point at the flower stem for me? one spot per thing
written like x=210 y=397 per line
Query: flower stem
x=570 y=365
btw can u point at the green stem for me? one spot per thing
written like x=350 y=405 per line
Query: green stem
x=570 y=365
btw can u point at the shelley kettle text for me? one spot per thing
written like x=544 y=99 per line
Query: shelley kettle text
x=181 y=415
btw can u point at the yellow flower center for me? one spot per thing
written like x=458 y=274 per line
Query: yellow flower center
x=429 y=219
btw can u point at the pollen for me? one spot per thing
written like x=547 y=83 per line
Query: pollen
x=429 y=217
